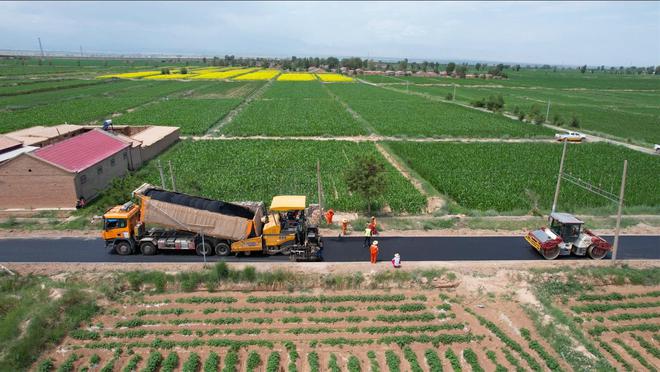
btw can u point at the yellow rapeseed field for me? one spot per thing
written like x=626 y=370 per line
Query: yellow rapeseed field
x=223 y=74
x=297 y=76
x=130 y=75
x=334 y=78
x=171 y=76
x=259 y=75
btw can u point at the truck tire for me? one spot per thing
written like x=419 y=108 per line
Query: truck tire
x=550 y=254
x=222 y=249
x=596 y=253
x=148 y=248
x=123 y=248
x=203 y=249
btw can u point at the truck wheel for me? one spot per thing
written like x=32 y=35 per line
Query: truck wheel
x=550 y=254
x=596 y=253
x=203 y=249
x=148 y=248
x=222 y=249
x=123 y=248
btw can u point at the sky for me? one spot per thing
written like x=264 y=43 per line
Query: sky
x=567 y=33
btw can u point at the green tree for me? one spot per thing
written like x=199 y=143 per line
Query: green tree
x=461 y=70
x=366 y=177
x=450 y=68
x=184 y=71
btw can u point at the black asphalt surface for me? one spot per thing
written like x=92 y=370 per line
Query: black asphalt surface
x=344 y=250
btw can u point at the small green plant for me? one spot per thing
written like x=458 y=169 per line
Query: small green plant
x=453 y=360
x=411 y=357
x=333 y=366
x=393 y=361
x=273 y=363
x=375 y=367
x=45 y=365
x=211 y=363
x=253 y=361
x=313 y=361
x=471 y=358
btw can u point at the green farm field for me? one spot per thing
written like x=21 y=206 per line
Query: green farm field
x=236 y=170
x=622 y=106
x=398 y=114
x=295 y=109
x=520 y=177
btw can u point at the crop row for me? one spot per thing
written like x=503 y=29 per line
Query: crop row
x=433 y=361
x=471 y=358
x=253 y=361
x=600 y=307
x=140 y=333
x=404 y=308
x=605 y=346
x=631 y=316
x=647 y=345
x=635 y=354
x=326 y=299
x=550 y=361
x=333 y=366
x=139 y=322
x=508 y=341
x=644 y=327
x=411 y=307
x=493 y=358
x=401 y=340
x=354 y=364
x=411 y=357
x=615 y=296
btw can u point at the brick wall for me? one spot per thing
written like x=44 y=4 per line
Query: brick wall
x=26 y=182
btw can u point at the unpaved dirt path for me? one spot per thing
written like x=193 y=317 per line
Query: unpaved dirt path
x=370 y=138
x=215 y=129
x=433 y=202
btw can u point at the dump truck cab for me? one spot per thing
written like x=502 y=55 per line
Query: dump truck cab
x=565 y=236
x=119 y=225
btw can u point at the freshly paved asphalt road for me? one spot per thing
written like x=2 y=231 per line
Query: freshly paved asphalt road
x=345 y=250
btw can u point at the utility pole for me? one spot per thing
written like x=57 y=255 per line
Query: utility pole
x=318 y=184
x=561 y=170
x=162 y=176
x=81 y=53
x=547 y=112
x=169 y=162
x=615 y=246
x=41 y=48
x=453 y=97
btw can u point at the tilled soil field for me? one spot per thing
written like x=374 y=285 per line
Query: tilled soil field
x=361 y=330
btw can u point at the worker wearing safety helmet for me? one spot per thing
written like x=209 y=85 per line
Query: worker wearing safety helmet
x=373 y=250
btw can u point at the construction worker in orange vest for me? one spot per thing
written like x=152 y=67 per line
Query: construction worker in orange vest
x=374 y=252
x=344 y=226
x=328 y=216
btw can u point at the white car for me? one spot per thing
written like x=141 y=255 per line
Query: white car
x=570 y=136
x=657 y=149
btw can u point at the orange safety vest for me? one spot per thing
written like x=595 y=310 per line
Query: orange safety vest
x=373 y=249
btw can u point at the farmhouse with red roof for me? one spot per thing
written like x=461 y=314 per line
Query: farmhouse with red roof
x=55 y=176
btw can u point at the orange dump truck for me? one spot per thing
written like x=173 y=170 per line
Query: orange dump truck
x=166 y=220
